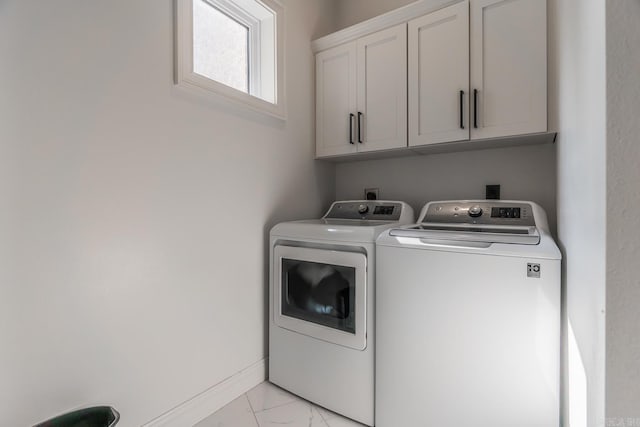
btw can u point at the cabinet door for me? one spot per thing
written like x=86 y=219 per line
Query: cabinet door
x=382 y=90
x=508 y=67
x=336 y=100
x=439 y=76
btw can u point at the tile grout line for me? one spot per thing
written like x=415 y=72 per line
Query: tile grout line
x=324 y=419
x=252 y=410
x=297 y=399
x=313 y=406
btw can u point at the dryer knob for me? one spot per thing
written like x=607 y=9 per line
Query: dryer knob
x=363 y=209
x=475 y=211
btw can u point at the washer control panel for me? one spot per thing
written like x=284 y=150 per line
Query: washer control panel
x=489 y=212
x=365 y=210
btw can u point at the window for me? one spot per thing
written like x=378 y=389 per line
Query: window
x=232 y=48
x=220 y=46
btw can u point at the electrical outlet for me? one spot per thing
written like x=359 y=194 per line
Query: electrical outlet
x=371 y=193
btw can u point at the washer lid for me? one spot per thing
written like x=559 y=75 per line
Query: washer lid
x=511 y=234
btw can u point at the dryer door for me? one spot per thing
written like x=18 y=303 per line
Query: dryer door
x=321 y=293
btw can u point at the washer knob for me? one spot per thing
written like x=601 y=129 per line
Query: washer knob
x=475 y=211
x=363 y=209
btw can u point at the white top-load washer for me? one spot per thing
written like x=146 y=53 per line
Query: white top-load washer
x=468 y=318
x=321 y=320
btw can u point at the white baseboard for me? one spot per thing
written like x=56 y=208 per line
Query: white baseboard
x=206 y=403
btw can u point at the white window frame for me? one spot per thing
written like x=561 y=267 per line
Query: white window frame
x=262 y=69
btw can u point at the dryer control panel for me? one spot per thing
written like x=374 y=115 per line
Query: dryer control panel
x=368 y=210
x=489 y=212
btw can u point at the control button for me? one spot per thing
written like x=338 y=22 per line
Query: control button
x=363 y=209
x=475 y=211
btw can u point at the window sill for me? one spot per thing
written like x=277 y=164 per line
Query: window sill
x=198 y=85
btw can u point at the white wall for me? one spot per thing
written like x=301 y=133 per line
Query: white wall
x=134 y=216
x=524 y=173
x=623 y=205
x=578 y=111
x=353 y=11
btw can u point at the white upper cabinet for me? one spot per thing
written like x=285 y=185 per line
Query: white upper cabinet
x=508 y=67
x=382 y=90
x=475 y=70
x=336 y=100
x=439 y=76
x=478 y=70
x=361 y=94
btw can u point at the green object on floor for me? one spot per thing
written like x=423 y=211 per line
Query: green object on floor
x=98 y=416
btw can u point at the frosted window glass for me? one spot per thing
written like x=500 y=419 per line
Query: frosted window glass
x=220 y=47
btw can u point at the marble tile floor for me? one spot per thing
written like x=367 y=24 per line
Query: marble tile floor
x=267 y=405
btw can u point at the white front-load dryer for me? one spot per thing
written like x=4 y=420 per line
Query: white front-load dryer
x=321 y=320
x=468 y=318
